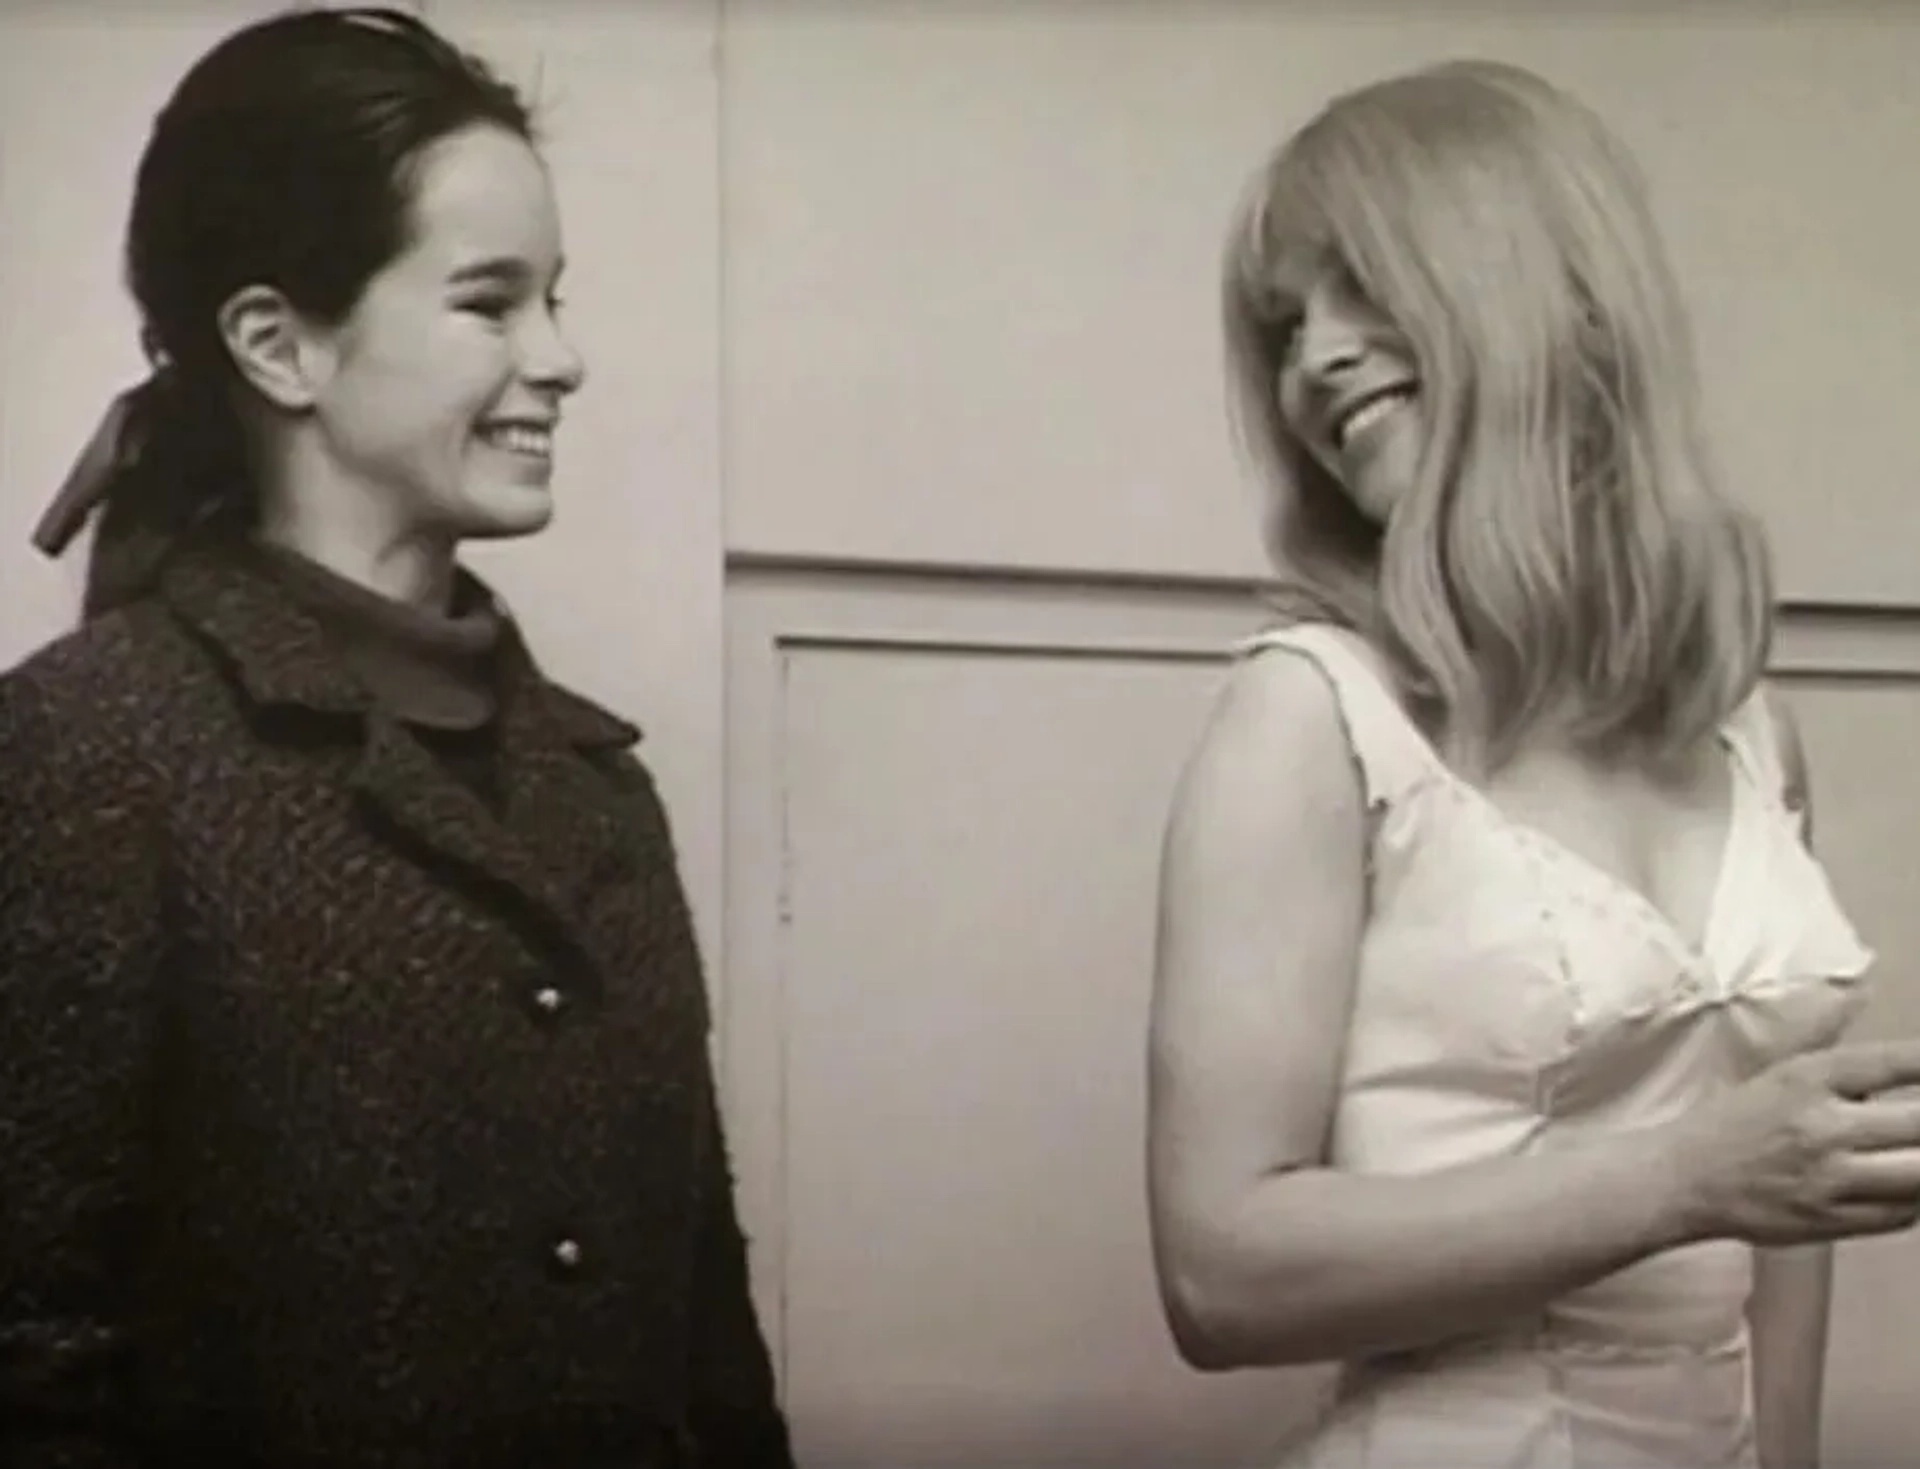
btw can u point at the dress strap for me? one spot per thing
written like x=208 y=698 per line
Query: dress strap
x=1390 y=753
x=1754 y=735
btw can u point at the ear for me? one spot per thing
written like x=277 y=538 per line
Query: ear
x=274 y=349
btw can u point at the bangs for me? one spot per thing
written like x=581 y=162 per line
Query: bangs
x=1351 y=195
x=1287 y=238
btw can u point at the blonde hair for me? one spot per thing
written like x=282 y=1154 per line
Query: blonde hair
x=1564 y=556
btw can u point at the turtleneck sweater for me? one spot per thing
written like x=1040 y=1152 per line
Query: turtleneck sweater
x=434 y=670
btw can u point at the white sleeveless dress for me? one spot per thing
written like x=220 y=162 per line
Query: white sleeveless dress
x=1511 y=998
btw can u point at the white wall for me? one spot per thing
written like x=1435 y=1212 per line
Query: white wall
x=899 y=509
x=972 y=255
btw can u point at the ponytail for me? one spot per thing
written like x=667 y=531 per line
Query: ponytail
x=161 y=468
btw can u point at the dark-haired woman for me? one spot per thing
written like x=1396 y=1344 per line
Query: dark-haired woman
x=355 y=1100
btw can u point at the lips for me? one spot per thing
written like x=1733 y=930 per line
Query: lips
x=528 y=436
x=1360 y=412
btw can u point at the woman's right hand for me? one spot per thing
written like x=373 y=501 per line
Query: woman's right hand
x=1818 y=1147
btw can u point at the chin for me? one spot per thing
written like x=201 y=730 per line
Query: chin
x=506 y=516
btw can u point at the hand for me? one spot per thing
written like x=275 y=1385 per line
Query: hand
x=1818 y=1147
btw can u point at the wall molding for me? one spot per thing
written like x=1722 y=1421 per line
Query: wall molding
x=761 y=563
x=782 y=610
x=1848 y=641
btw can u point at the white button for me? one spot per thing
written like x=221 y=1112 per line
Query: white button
x=547 y=999
x=567 y=1253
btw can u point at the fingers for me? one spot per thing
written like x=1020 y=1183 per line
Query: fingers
x=1880 y=1124
x=1857 y=1218
x=1890 y=1177
x=1867 y=1067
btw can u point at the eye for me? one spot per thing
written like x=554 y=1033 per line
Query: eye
x=493 y=308
x=1281 y=334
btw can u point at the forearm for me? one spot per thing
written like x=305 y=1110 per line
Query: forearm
x=1787 y=1317
x=1325 y=1265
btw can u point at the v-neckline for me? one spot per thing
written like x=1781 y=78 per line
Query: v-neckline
x=1695 y=951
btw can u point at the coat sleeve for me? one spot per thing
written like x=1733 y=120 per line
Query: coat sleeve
x=79 y=930
x=736 y=1421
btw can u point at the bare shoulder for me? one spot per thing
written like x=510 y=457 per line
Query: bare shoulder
x=1262 y=888
x=1273 y=756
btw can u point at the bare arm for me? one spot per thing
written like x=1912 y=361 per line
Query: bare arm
x=1792 y=1293
x=1264 y=1254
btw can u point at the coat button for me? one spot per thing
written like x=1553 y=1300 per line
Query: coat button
x=548 y=999
x=567 y=1255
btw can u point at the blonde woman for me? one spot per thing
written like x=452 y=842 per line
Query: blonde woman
x=1494 y=1045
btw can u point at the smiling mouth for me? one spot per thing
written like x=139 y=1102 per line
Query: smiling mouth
x=1363 y=413
x=534 y=440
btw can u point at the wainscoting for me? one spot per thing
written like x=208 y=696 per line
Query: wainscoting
x=945 y=798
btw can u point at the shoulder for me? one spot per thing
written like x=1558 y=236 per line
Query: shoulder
x=76 y=730
x=85 y=691
x=1273 y=757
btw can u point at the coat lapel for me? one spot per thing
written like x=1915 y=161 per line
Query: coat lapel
x=560 y=830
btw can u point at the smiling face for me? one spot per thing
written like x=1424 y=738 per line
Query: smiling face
x=443 y=387
x=1349 y=392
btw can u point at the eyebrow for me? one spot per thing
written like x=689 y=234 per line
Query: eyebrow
x=498 y=269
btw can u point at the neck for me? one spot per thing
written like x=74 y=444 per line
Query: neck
x=311 y=507
x=417 y=572
x=435 y=668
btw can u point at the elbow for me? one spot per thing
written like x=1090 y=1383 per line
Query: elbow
x=1223 y=1321
x=1199 y=1344
x=1209 y=1333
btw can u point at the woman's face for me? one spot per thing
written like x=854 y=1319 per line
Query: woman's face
x=1350 y=393
x=444 y=385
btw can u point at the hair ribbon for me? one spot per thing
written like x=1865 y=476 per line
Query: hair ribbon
x=114 y=446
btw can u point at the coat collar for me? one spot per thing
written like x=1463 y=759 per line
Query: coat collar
x=280 y=656
x=560 y=830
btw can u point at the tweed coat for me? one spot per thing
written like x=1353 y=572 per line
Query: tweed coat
x=344 y=1121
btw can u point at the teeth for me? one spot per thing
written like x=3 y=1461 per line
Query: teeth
x=522 y=440
x=1366 y=417
x=1362 y=419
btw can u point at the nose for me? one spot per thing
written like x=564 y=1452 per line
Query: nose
x=549 y=361
x=1330 y=344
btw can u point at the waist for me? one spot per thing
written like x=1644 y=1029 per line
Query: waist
x=1689 y=1302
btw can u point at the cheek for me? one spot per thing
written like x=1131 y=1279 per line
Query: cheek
x=443 y=377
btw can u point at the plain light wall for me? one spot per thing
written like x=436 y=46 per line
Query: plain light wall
x=973 y=251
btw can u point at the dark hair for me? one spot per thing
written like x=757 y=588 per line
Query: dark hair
x=286 y=157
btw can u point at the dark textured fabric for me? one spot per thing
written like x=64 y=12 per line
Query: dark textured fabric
x=439 y=673
x=342 y=1121
x=437 y=669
